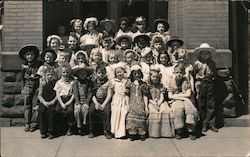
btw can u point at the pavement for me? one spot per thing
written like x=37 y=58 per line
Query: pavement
x=228 y=142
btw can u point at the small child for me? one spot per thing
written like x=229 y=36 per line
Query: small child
x=124 y=28
x=96 y=58
x=83 y=94
x=119 y=104
x=65 y=96
x=130 y=59
x=141 y=42
x=54 y=42
x=182 y=104
x=48 y=56
x=165 y=67
x=141 y=26
x=107 y=47
x=157 y=46
x=174 y=48
x=99 y=113
x=47 y=98
x=30 y=81
x=205 y=73
x=138 y=104
x=73 y=45
x=77 y=27
x=161 y=27
x=160 y=124
x=108 y=26
x=123 y=42
x=112 y=60
x=92 y=34
x=146 y=62
x=80 y=58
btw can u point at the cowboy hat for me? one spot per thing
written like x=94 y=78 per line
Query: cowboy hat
x=204 y=47
x=164 y=22
x=175 y=39
x=119 y=38
x=79 y=68
x=27 y=48
x=48 y=50
x=90 y=19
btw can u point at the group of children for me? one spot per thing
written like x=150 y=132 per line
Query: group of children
x=123 y=84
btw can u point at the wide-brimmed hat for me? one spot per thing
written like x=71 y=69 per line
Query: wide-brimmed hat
x=142 y=36
x=48 y=50
x=119 y=38
x=90 y=19
x=103 y=22
x=76 y=69
x=88 y=43
x=173 y=39
x=27 y=48
x=164 y=22
x=204 y=47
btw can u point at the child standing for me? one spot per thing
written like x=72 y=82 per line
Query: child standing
x=141 y=26
x=83 y=94
x=107 y=47
x=119 y=105
x=30 y=81
x=138 y=104
x=65 y=96
x=124 y=28
x=112 y=60
x=174 y=48
x=96 y=59
x=54 y=42
x=157 y=46
x=80 y=58
x=161 y=27
x=99 y=113
x=141 y=42
x=77 y=27
x=108 y=26
x=205 y=74
x=48 y=56
x=182 y=104
x=160 y=123
x=123 y=42
x=47 y=98
x=146 y=62
x=130 y=59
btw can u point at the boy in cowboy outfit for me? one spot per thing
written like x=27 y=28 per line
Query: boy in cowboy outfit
x=30 y=80
x=205 y=74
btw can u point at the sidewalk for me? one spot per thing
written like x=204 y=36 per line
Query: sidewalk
x=229 y=141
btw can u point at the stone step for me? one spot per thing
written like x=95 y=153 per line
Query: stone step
x=242 y=121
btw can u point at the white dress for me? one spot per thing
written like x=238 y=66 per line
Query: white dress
x=118 y=108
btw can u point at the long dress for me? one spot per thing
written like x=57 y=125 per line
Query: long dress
x=136 y=118
x=160 y=121
x=118 y=107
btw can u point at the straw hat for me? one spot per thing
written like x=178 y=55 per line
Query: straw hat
x=204 y=47
x=79 y=68
x=164 y=22
x=88 y=43
x=140 y=37
x=173 y=39
x=27 y=48
x=90 y=19
x=119 y=38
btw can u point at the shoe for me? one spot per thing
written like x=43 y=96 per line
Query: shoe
x=192 y=136
x=32 y=129
x=214 y=129
x=142 y=137
x=44 y=135
x=80 y=132
x=178 y=136
x=51 y=136
x=91 y=135
x=107 y=135
x=69 y=132
x=204 y=129
x=132 y=137
x=27 y=128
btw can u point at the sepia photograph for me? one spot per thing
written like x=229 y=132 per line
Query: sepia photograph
x=124 y=78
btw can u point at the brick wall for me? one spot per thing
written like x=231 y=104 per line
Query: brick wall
x=22 y=24
x=199 y=21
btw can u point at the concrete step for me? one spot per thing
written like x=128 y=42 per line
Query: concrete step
x=242 y=121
